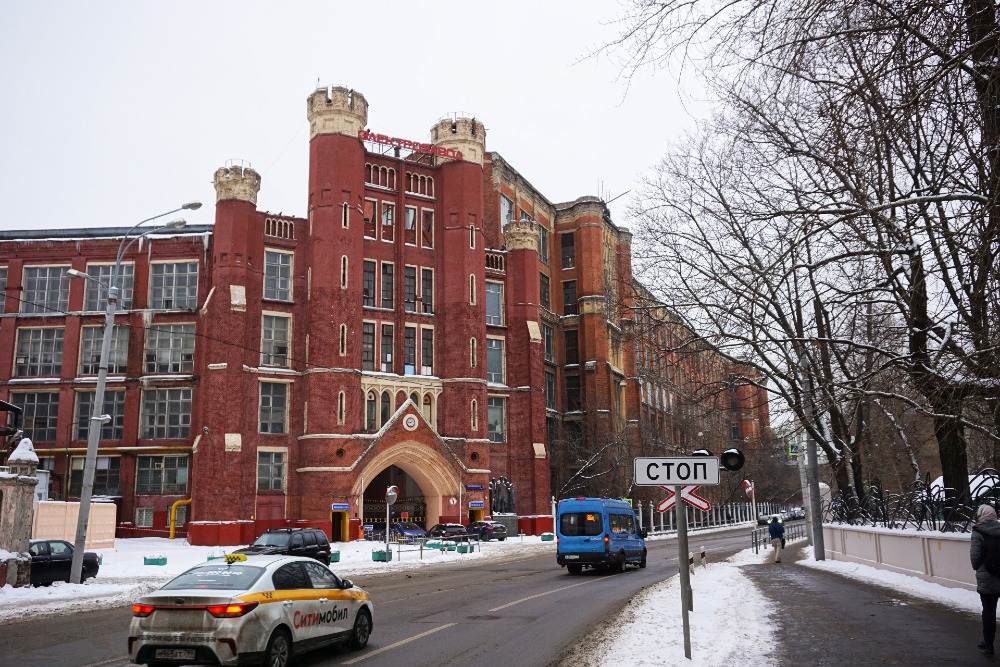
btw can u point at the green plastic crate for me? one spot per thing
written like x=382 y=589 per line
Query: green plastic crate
x=154 y=561
x=381 y=556
x=334 y=556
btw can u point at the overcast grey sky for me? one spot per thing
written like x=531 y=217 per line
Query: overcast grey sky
x=116 y=111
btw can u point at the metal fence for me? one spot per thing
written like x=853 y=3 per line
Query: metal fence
x=658 y=523
x=922 y=505
x=759 y=537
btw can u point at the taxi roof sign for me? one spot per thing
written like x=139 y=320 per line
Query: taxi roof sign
x=235 y=558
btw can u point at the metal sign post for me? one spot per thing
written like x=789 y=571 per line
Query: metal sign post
x=682 y=565
x=390 y=497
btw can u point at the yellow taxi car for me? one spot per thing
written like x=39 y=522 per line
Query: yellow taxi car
x=240 y=611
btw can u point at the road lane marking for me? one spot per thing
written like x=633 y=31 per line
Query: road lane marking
x=539 y=595
x=398 y=644
x=110 y=661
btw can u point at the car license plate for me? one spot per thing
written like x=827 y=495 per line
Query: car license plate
x=570 y=556
x=175 y=653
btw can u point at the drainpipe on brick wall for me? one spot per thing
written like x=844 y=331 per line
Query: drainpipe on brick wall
x=173 y=514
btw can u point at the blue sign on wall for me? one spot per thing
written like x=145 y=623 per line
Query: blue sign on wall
x=340 y=507
x=475 y=487
x=477 y=505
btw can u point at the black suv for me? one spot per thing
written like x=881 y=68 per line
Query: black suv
x=309 y=542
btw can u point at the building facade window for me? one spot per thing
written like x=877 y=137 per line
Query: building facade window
x=496 y=418
x=39 y=352
x=548 y=343
x=472 y=290
x=410 y=351
x=277 y=275
x=274 y=340
x=427 y=291
x=388 y=221
x=166 y=413
x=387 y=286
x=114 y=406
x=386 y=348
x=427 y=228
x=410 y=226
x=544 y=292
x=343 y=340
x=270 y=471
x=495 y=360
x=161 y=475
x=427 y=351
x=45 y=290
x=368 y=284
x=96 y=295
x=550 y=390
x=40 y=411
x=568 y=246
x=734 y=430
x=473 y=352
x=343 y=272
x=173 y=286
x=143 y=517
x=474 y=416
x=572 y=347
x=370 y=219
x=494 y=303
x=91 y=339
x=106 y=475
x=543 y=244
x=572 y=392
x=506 y=209
x=385 y=408
x=370 y=412
x=410 y=289
x=170 y=348
x=273 y=407
x=3 y=287
x=341 y=408
x=345 y=216
x=368 y=346
x=569 y=297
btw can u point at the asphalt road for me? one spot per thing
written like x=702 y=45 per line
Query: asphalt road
x=523 y=611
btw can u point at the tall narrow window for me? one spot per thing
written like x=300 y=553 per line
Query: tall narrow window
x=548 y=344
x=572 y=392
x=368 y=346
x=3 y=287
x=273 y=403
x=341 y=408
x=427 y=228
x=496 y=418
x=410 y=289
x=427 y=290
x=343 y=272
x=386 y=348
x=410 y=226
x=567 y=243
x=429 y=409
x=370 y=219
x=572 y=347
x=472 y=290
x=427 y=351
x=270 y=471
x=569 y=297
x=410 y=351
x=370 y=412
x=385 y=409
x=472 y=236
x=474 y=417
x=388 y=220
x=494 y=303
x=343 y=340
x=274 y=341
x=368 y=284
x=550 y=390
x=345 y=216
x=277 y=275
x=473 y=352
x=543 y=244
x=387 y=286
x=494 y=360
x=544 y=296
x=506 y=209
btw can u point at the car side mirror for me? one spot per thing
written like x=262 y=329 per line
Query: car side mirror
x=346 y=583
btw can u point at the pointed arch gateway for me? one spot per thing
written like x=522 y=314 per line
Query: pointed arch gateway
x=435 y=475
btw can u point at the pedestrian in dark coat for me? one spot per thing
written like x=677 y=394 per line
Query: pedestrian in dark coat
x=776 y=531
x=987 y=585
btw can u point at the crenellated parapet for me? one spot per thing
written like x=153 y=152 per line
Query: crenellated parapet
x=463 y=134
x=336 y=110
x=237 y=182
x=521 y=235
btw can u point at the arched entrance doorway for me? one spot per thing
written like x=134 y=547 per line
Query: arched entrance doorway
x=425 y=479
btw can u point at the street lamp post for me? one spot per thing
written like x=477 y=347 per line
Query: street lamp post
x=97 y=419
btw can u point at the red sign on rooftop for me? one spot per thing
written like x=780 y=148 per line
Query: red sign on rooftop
x=430 y=149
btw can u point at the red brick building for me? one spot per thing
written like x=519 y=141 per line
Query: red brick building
x=433 y=323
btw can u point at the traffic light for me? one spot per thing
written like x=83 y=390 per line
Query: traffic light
x=732 y=459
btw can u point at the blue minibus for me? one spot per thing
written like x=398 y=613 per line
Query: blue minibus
x=598 y=533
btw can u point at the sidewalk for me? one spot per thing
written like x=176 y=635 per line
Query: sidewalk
x=822 y=618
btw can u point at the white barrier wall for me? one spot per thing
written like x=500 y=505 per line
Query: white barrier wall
x=57 y=521
x=942 y=558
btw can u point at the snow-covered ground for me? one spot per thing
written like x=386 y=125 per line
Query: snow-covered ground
x=649 y=632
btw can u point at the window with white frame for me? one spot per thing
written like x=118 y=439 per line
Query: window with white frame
x=273 y=407
x=106 y=475
x=410 y=289
x=114 y=407
x=427 y=227
x=568 y=246
x=45 y=290
x=388 y=293
x=160 y=475
x=548 y=343
x=40 y=409
x=496 y=418
x=368 y=284
x=367 y=346
x=166 y=413
x=506 y=209
x=143 y=517
x=96 y=295
x=277 y=275
x=173 y=286
x=274 y=340
x=39 y=352
x=91 y=339
x=474 y=416
x=427 y=291
x=270 y=471
x=494 y=360
x=388 y=221
x=427 y=351
x=3 y=287
x=386 y=348
x=543 y=244
x=410 y=351
x=494 y=303
x=544 y=292
x=550 y=390
x=170 y=348
x=410 y=226
x=369 y=214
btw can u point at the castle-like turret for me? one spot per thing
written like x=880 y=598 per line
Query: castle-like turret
x=463 y=134
x=336 y=110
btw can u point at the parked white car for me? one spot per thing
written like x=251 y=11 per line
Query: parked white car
x=248 y=610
